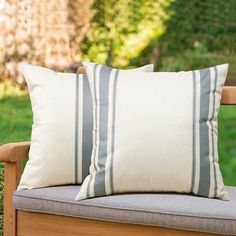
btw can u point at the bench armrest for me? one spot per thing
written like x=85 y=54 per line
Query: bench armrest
x=13 y=152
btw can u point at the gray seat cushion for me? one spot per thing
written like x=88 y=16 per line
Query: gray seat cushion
x=166 y=210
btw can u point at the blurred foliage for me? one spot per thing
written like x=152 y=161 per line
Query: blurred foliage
x=9 y=88
x=174 y=35
x=121 y=30
x=211 y=22
x=199 y=34
x=46 y=33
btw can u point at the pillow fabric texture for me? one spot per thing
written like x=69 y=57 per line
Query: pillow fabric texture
x=61 y=140
x=155 y=132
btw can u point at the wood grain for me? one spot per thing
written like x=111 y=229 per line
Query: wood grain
x=10 y=183
x=228 y=95
x=38 y=224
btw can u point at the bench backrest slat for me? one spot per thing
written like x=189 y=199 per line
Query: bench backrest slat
x=228 y=95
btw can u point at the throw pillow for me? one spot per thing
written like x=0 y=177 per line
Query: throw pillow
x=155 y=132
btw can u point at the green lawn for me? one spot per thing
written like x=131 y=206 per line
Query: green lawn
x=16 y=121
x=227 y=143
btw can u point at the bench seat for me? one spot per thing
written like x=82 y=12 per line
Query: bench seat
x=170 y=210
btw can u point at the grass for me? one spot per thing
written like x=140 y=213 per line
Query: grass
x=227 y=144
x=16 y=121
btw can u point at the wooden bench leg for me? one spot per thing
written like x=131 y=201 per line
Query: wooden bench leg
x=11 y=179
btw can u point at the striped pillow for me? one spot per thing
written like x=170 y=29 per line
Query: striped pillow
x=62 y=140
x=155 y=132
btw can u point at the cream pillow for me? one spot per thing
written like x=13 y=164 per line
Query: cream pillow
x=61 y=141
x=155 y=132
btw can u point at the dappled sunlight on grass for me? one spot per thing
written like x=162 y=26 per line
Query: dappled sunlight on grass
x=9 y=88
x=15 y=113
x=15 y=119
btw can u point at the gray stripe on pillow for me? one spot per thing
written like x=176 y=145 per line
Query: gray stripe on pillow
x=95 y=115
x=76 y=125
x=93 y=155
x=104 y=78
x=87 y=133
x=99 y=183
x=113 y=130
x=205 y=84
x=212 y=130
x=194 y=133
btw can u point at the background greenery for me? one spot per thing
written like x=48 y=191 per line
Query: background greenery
x=172 y=34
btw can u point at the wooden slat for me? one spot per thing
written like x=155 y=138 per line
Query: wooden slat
x=229 y=95
x=38 y=224
x=10 y=183
x=81 y=70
